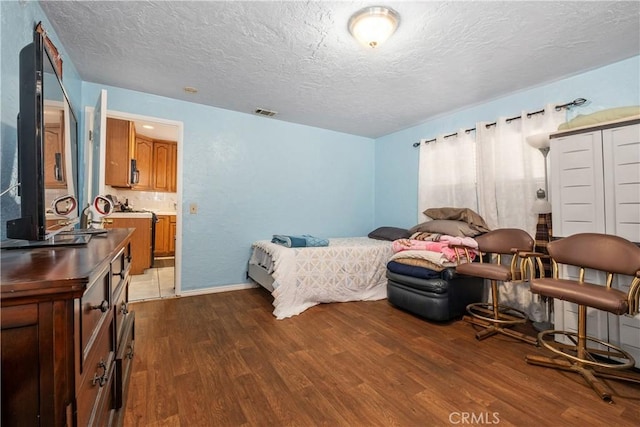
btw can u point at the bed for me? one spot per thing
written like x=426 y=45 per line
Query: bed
x=349 y=269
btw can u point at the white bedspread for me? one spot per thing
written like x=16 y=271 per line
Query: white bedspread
x=349 y=269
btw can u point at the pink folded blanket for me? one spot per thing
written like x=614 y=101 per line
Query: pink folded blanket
x=441 y=247
x=469 y=242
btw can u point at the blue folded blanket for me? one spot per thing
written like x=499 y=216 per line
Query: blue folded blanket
x=303 y=241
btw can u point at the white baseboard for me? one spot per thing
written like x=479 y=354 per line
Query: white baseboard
x=217 y=289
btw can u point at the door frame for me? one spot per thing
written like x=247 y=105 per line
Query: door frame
x=180 y=146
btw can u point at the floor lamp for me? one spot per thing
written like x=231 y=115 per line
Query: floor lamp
x=542 y=208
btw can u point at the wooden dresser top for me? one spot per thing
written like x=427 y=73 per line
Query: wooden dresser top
x=41 y=272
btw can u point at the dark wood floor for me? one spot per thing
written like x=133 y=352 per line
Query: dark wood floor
x=224 y=360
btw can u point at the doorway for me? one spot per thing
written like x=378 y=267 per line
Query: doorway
x=162 y=279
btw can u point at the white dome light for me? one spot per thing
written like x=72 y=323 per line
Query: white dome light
x=371 y=26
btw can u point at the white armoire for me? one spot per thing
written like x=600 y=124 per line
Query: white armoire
x=595 y=187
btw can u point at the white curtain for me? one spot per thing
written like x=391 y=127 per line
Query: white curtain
x=494 y=172
x=447 y=173
x=510 y=171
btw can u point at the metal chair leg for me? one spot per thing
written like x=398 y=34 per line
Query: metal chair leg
x=584 y=360
x=497 y=318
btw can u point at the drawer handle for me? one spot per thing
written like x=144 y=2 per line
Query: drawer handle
x=102 y=379
x=124 y=308
x=128 y=258
x=103 y=307
x=121 y=274
x=129 y=354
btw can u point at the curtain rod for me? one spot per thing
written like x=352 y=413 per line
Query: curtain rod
x=575 y=103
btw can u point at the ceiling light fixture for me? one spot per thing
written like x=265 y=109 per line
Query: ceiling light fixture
x=373 y=25
x=147 y=126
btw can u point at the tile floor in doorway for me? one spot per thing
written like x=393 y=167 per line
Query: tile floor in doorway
x=155 y=283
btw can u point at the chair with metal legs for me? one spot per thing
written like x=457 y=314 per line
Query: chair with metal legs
x=589 y=356
x=494 y=317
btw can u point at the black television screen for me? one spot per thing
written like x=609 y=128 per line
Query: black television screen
x=42 y=96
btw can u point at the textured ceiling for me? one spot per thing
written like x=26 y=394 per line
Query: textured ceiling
x=298 y=59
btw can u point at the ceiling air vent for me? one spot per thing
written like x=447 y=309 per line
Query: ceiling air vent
x=263 y=112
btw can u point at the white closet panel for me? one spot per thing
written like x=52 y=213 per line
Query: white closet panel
x=595 y=187
x=622 y=184
x=630 y=334
x=577 y=185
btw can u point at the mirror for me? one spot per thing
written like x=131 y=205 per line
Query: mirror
x=60 y=142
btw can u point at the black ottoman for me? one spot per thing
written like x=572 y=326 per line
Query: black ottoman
x=440 y=299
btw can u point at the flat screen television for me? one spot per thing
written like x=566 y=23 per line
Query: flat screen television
x=43 y=95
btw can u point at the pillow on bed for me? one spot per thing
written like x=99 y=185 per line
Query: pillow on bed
x=445 y=226
x=389 y=233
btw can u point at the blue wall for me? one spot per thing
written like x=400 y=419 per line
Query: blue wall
x=396 y=195
x=253 y=177
x=250 y=176
x=18 y=22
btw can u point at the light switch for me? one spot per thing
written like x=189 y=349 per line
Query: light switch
x=193 y=208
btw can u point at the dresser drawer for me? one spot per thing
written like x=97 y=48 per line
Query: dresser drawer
x=127 y=256
x=121 y=309
x=103 y=411
x=19 y=366
x=96 y=386
x=96 y=307
x=124 y=358
x=120 y=269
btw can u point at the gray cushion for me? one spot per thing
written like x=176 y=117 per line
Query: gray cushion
x=389 y=233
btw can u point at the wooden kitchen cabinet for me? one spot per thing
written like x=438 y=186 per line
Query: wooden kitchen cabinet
x=155 y=160
x=162 y=239
x=140 y=243
x=165 y=235
x=65 y=330
x=172 y=235
x=173 y=171
x=164 y=165
x=120 y=150
x=144 y=163
x=162 y=228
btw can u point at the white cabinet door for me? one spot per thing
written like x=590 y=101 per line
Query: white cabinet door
x=577 y=187
x=595 y=187
x=628 y=329
x=621 y=153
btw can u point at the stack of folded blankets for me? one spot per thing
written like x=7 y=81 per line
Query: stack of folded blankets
x=421 y=273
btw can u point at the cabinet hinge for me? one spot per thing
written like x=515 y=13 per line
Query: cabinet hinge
x=91 y=135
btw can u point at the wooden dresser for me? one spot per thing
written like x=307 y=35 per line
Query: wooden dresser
x=67 y=336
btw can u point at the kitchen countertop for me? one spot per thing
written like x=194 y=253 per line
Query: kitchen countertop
x=130 y=215
x=146 y=211
x=136 y=214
